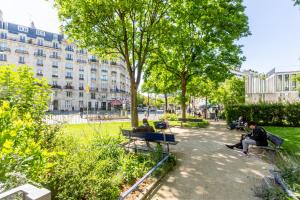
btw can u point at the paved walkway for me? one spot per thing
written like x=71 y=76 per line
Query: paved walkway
x=206 y=169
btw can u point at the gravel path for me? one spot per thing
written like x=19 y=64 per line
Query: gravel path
x=206 y=169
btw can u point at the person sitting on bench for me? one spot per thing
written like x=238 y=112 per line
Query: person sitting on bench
x=257 y=136
x=145 y=128
x=240 y=122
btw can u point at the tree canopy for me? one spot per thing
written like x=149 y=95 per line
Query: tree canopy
x=200 y=41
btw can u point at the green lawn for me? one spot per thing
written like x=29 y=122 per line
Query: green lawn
x=291 y=138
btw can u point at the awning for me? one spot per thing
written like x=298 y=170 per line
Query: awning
x=116 y=102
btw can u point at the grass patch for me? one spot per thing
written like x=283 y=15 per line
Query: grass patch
x=291 y=136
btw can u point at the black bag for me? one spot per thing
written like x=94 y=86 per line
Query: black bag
x=160 y=125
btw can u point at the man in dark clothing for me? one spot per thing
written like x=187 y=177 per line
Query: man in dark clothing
x=258 y=136
x=145 y=128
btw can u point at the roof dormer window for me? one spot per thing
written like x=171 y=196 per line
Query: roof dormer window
x=40 y=33
x=23 y=29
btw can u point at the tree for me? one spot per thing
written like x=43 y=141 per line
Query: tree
x=200 y=41
x=127 y=29
x=231 y=92
x=159 y=81
x=297 y=2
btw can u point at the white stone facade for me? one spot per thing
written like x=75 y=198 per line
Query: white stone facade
x=275 y=86
x=79 y=79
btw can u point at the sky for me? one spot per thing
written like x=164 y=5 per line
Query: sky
x=274 y=24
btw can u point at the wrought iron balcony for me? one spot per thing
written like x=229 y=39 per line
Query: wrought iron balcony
x=93 y=69
x=70 y=87
x=69 y=77
x=2 y=49
x=69 y=58
x=56 y=86
x=21 y=51
x=54 y=75
x=93 y=89
x=81 y=61
x=80 y=78
x=39 y=54
x=55 y=56
x=54 y=66
x=93 y=60
x=39 y=74
x=40 y=64
x=81 y=88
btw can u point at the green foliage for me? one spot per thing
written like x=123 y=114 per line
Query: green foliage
x=26 y=142
x=232 y=91
x=170 y=117
x=266 y=114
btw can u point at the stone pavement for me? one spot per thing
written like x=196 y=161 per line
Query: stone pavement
x=206 y=169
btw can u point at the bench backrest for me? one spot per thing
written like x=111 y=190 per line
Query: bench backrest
x=150 y=136
x=277 y=141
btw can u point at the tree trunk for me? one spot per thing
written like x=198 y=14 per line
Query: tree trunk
x=133 y=108
x=166 y=102
x=205 y=114
x=183 y=97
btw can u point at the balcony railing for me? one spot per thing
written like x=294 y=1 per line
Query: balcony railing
x=93 y=69
x=81 y=61
x=68 y=58
x=69 y=49
x=21 y=62
x=56 y=86
x=21 y=51
x=69 y=77
x=80 y=78
x=104 y=89
x=39 y=74
x=2 y=49
x=93 y=89
x=54 y=76
x=81 y=88
x=39 y=64
x=55 y=56
x=39 y=54
x=81 y=52
x=70 y=87
x=93 y=60
x=54 y=66
x=113 y=63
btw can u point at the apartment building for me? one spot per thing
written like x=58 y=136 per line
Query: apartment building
x=78 y=78
x=278 y=85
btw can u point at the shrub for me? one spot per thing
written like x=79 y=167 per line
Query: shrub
x=170 y=117
x=266 y=114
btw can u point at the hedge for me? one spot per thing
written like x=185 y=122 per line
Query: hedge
x=266 y=114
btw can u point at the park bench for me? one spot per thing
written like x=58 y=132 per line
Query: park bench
x=182 y=120
x=160 y=138
x=275 y=143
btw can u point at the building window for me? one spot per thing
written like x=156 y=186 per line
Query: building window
x=69 y=48
x=3 y=57
x=104 y=78
x=80 y=94
x=69 y=66
x=69 y=94
x=21 y=60
x=40 y=33
x=68 y=104
x=40 y=42
x=55 y=45
x=22 y=38
x=39 y=62
x=81 y=76
x=69 y=75
x=55 y=37
x=93 y=95
x=81 y=69
x=3 y=35
x=23 y=29
x=69 y=57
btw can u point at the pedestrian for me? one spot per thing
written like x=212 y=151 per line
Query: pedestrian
x=216 y=114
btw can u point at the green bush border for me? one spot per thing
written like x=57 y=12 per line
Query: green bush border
x=276 y=114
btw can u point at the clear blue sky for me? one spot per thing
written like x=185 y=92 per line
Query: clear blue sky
x=275 y=27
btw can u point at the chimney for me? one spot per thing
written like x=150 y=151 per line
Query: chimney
x=32 y=25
